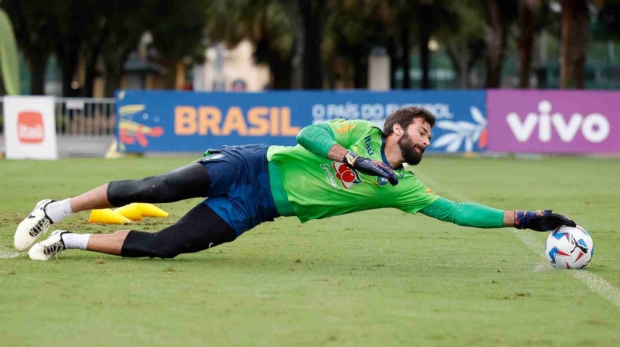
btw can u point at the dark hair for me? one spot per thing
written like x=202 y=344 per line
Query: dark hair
x=405 y=116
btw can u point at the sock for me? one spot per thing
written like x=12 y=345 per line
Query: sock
x=59 y=210
x=75 y=241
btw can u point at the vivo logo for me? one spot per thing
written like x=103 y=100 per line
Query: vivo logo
x=594 y=127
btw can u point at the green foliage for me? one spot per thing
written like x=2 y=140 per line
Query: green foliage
x=225 y=21
x=178 y=31
x=347 y=31
x=269 y=25
x=33 y=21
x=607 y=22
x=34 y=26
x=108 y=28
x=9 y=65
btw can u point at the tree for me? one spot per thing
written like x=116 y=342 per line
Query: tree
x=574 y=41
x=607 y=25
x=526 y=40
x=125 y=29
x=532 y=18
x=310 y=37
x=78 y=36
x=434 y=16
x=391 y=24
x=464 y=41
x=275 y=45
x=404 y=15
x=178 y=33
x=268 y=24
x=33 y=26
x=97 y=31
x=348 y=32
x=500 y=15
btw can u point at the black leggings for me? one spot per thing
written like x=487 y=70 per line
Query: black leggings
x=189 y=181
x=199 y=229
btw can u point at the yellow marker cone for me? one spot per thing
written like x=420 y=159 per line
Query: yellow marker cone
x=107 y=216
x=149 y=210
x=131 y=211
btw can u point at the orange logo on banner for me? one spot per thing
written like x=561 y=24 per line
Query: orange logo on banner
x=30 y=127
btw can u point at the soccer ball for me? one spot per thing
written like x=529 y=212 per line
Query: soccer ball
x=569 y=248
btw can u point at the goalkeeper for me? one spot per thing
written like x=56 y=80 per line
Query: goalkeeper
x=337 y=167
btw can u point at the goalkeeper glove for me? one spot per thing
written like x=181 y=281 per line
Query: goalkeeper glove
x=370 y=167
x=540 y=220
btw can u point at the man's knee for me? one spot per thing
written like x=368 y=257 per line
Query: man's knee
x=200 y=229
x=145 y=244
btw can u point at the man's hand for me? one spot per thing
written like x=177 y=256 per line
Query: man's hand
x=370 y=167
x=540 y=220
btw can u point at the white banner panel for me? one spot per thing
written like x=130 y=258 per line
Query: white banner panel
x=30 y=127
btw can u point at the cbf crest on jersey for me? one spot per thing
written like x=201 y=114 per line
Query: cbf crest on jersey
x=347 y=176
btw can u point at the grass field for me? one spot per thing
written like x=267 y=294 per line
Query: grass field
x=377 y=278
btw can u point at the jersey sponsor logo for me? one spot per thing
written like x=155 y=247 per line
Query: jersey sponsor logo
x=30 y=127
x=347 y=176
x=329 y=176
x=368 y=147
x=344 y=127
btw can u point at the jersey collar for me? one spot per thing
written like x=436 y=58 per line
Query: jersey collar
x=383 y=157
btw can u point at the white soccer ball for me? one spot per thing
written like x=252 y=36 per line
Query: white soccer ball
x=569 y=248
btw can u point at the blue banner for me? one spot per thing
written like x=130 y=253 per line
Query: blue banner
x=166 y=121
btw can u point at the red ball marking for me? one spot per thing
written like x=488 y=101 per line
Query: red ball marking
x=348 y=176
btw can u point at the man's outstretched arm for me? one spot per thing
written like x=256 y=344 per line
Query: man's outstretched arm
x=480 y=216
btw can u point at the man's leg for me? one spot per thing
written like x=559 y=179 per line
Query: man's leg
x=190 y=181
x=199 y=229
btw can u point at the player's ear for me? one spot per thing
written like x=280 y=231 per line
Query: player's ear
x=398 y=130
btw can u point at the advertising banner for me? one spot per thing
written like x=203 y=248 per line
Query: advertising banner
x=568 y=122
x=189 y=121
x=30 y=127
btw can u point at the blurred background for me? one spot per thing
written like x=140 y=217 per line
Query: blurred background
x=83 y=52
x=90 y=48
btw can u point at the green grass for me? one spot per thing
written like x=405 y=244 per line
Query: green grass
x=377 y=278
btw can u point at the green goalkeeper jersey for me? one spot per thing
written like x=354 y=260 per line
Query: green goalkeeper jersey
x=312 y=187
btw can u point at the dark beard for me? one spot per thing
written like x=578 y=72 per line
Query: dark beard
x=411 y=156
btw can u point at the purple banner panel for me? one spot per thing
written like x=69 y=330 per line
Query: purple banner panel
x=553 y=121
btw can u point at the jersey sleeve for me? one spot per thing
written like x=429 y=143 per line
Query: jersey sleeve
x=467 y=214
x=347 y=132
x=415 y=198
x=317 y=138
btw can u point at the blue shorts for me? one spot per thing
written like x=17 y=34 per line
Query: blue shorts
x=240 y=192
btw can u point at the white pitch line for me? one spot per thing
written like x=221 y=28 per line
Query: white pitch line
x=8 y=255
x=596 y=283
